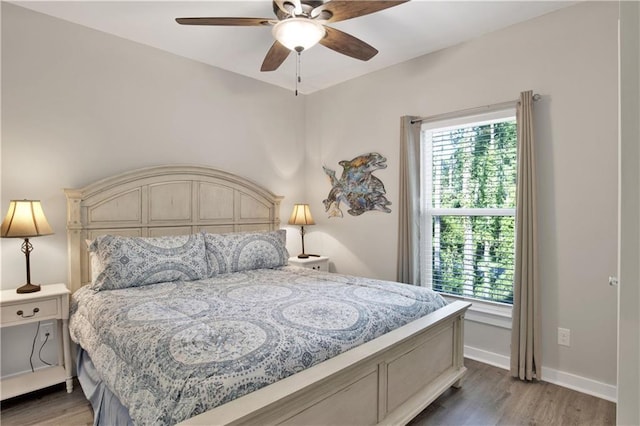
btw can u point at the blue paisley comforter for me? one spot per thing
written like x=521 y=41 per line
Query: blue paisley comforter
x=170 y=351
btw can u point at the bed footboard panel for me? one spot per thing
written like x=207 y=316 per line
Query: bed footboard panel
x=408 y=373
x=357 y=402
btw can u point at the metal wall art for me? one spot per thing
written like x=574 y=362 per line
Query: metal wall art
x=358 y=188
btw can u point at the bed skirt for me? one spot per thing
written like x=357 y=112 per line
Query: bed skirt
x=107 y=408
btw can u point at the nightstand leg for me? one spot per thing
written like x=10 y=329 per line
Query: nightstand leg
x=67 y=355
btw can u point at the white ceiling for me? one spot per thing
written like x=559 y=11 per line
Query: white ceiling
x=400 y=33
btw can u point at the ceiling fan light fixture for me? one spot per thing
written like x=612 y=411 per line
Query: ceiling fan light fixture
x=298 y=33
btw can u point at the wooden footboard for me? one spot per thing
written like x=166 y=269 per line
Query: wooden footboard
x=388 y=380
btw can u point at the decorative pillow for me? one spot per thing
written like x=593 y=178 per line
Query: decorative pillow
x=243 y=251
x=135 y=261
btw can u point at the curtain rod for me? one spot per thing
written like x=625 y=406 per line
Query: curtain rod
x=469 y=111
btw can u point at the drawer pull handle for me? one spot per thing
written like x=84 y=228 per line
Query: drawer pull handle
x=35 y=311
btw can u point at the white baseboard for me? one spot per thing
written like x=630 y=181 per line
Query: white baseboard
x=550 y=375
x=580 y=384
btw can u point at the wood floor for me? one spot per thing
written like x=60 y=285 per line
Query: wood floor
x=51 y=406
x=488 y=397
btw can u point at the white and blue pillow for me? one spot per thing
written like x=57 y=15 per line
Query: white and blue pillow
x=123 y=262
x=243 y=251
x=120 y=262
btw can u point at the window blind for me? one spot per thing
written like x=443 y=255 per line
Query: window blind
x=470 y=204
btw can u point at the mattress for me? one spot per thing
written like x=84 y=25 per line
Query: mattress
x=170 y=351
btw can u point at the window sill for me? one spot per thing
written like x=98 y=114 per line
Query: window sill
x=495 y=314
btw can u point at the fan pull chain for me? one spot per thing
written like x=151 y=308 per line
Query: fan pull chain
x=298 y=79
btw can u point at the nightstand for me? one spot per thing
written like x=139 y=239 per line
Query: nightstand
x=319 y=263
x=50 y=303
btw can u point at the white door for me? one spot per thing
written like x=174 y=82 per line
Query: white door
x=628 y=408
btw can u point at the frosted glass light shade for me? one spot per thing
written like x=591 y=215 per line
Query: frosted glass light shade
x=301 y=215
x=24 y=219
x=298 y=33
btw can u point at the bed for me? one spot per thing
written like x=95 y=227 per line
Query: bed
x=384 y=372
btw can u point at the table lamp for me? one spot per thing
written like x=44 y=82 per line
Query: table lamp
x=25 y=219
x=301 y=216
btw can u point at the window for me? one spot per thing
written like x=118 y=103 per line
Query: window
x=469 y=196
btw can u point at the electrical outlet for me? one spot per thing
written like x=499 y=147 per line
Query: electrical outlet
x=564 y=336
x=44 y=329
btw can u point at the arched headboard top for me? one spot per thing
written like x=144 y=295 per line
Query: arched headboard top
x=164 y=200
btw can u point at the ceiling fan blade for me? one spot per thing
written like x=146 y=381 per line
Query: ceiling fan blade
x=239 y=22
x=341 y=10
x=347 y=44
x=275 y=57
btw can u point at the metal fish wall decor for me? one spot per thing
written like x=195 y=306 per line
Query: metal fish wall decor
x=358 y=188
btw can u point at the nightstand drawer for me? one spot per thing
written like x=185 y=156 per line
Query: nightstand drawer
x=317 y=263
x=30 y=311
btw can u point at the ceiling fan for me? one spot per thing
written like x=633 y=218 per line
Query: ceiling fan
x=300 y=24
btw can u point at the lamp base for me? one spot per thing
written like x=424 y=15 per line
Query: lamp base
x=303 y=256
x=28 y=288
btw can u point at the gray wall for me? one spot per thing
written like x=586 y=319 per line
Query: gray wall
x=570 y=58
x=79 y=105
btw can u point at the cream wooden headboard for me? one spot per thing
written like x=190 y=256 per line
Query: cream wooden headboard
x=164 y=200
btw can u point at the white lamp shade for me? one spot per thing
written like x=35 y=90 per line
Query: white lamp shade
x=298 y=33
x=301 y=215
x=25 y=219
